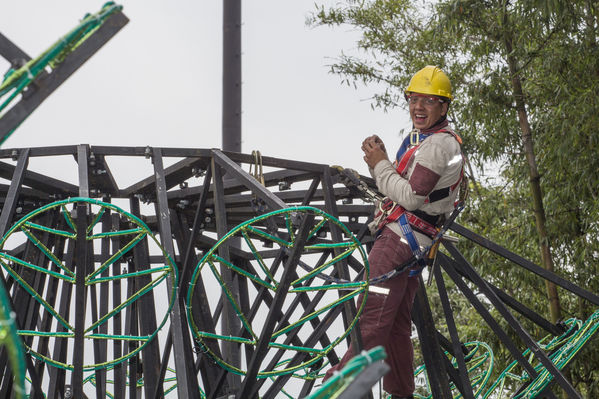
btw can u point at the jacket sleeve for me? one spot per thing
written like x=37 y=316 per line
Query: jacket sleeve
x=424 y=172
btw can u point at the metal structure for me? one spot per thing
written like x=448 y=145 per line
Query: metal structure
x=232 y=83
x=190 y=207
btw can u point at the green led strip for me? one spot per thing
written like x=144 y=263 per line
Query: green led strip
x=130 y=238
x=262 y=277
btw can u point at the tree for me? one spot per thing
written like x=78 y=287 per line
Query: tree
x=526 y=78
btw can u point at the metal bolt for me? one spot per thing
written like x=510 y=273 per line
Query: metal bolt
x=284 y=185
x=197 y=172
x=14 y=154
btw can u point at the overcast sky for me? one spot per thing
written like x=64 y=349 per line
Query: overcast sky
x=158 y=81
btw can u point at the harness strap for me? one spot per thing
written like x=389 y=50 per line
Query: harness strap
x=408 y=233
x=423 y=222
x=403 y=159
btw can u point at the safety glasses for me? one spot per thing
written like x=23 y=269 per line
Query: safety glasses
x=413 y=99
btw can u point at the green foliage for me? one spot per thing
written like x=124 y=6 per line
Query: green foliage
x=554 y=50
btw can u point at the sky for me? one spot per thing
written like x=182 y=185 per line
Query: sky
x=158 y=81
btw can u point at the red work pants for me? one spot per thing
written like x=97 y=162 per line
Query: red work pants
x=386 y=319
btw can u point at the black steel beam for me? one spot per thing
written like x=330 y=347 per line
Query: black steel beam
x=519 y=307
x=229 y=319
x=247 y=180
x=208 y=369
x=12 y=53
x=514 y=324
x=45 y=85
x=248 y=386
x=349 y=307
x=82 y=267
x=173 y=175
x=101 y=179
x=147 y=315
x=231 y=106
x=448 y=265
x=56 y=387
x=232 y=189
x=187 y=384
x=528 y=265
x=42 y=151
x=429 y=345
x=10 y=201
x=240 y=203
x=277 y=162
x=102 y=347
x=120 y=369
x=309 y=305
x=131 y=328
x=316 y=335
x=41 y=182
x=26 y=195
x=465 y=387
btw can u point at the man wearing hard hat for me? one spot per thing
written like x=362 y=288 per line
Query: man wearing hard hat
x=421 y=188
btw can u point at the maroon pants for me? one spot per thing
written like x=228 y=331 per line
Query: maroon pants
x=386 y=319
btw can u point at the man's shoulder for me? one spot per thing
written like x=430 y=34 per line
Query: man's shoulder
x=444 y=139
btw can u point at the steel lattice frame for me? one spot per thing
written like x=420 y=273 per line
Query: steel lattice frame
x=189 y=205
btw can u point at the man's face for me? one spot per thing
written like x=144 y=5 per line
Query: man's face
x=425 y=110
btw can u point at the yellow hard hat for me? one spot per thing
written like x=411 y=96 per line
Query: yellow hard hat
x=430 y=80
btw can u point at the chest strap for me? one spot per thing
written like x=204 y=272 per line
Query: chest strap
x=403 y=160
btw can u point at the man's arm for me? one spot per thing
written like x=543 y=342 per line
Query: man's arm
x=425 y=171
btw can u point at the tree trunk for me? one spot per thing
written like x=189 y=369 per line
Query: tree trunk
x=535 y=183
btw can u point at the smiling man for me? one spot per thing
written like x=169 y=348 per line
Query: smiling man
x=421 y=187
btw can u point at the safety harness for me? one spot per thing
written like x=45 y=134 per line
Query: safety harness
x=420 y=221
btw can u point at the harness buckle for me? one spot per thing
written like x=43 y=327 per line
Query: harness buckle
x=414 y=137
x=385 y=207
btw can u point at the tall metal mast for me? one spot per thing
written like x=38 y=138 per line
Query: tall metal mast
x=231 y=124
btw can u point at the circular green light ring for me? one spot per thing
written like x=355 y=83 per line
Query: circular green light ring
x=480 y=382
x=173 y=272
x=242 y=227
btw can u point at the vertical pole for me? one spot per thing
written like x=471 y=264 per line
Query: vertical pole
x=187 y=384
x=230 y=323
x=231 y=123
x=14 y=190
x=429 y=344
x=81 y=269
